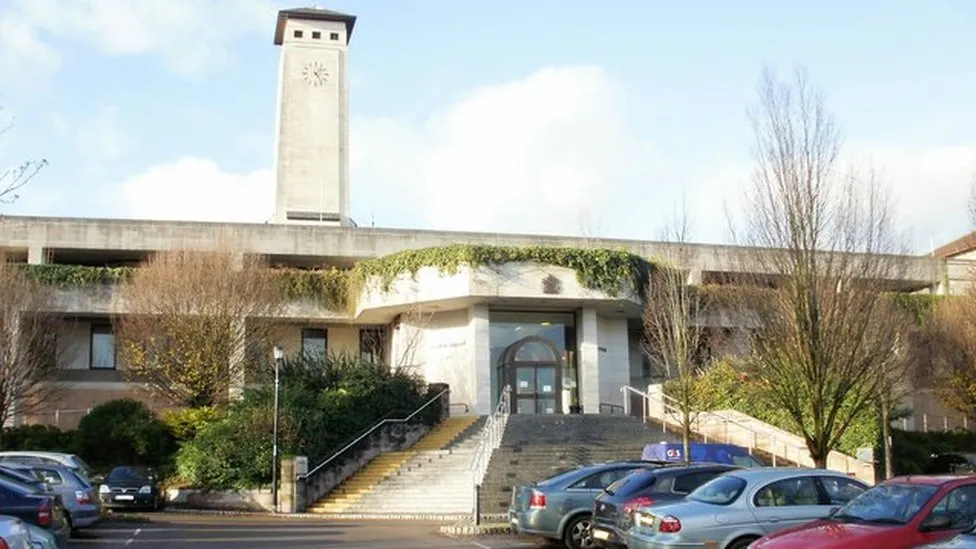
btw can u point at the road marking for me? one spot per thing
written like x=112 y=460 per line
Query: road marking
x=133 y=538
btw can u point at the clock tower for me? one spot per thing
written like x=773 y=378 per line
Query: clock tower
x=312 y=141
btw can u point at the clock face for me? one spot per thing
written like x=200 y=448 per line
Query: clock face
x=315 y=74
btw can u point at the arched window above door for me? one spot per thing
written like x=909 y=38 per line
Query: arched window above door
x=531 y=349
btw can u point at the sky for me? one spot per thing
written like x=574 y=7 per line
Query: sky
x=549 y=116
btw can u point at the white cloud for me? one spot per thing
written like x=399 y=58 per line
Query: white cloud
x=196 y=189
x=188 y=35
x=546 y=153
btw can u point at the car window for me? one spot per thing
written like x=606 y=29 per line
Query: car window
x=959 y=505
x=788 y=492
x=17 y=486
x=48 y=476
x=634 y=482
x=559 y=477
x=746 y=462
x=721 y=490
x=686 y=483
x=602 y=479
x=840 y=490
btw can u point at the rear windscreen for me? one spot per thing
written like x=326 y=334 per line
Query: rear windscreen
x=632 y=483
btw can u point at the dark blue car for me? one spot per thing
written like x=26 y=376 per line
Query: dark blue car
x=728 y=454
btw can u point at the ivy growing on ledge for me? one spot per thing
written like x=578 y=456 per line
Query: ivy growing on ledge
x=605 y=270
x=601 y=269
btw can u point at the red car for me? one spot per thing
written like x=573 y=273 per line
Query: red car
x=900 y=513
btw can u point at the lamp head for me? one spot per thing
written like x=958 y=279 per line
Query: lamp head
x=278 y=352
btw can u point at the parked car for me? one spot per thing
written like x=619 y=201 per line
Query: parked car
x=41 y=509
x=13 y=472
x=132 y=486
x=561 y=507
x=14 y=533
x=965 y=540
x=734 y=510
x=613 y=509
x=77 y=494
x=70 y=461
x=40 y=538
x=701 y=452
x=900 y=513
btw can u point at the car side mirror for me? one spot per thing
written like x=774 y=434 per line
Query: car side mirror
x=933 y=523
x=833 y=511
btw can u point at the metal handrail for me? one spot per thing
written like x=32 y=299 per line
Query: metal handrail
x=671 y=410
x=491 y=436
x=379 y=424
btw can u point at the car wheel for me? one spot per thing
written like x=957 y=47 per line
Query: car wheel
x=579 y=533
x=741 y=543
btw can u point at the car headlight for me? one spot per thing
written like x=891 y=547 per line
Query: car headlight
x=104 y=489
x=145 y=490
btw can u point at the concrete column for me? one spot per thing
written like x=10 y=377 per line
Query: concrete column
x=589 y=361
x=36 y=255
x=287 y=492
x=238 y=376
x=694 y=277
x=483 y=380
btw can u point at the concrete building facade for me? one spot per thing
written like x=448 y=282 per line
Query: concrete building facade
x=560 y=346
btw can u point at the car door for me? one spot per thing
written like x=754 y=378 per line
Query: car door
x=788 y=502
x=839 y=490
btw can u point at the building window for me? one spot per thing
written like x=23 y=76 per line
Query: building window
x=298 y=34
x=102 y=355
x=371 y=345
x=334 y=36
x=315 y=341
x=316 y=35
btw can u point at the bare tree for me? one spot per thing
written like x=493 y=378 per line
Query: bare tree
x=191 y=319
x=953 y=332
x=405 y=347
x=822 y=241
x=674 y=318
x=12 y=179
x=28 y=344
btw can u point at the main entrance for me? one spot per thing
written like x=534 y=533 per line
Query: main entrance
x=533 y=369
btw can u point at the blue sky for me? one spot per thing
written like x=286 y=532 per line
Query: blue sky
x=542 y=116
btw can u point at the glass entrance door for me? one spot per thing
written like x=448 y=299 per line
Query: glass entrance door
x=536 y=391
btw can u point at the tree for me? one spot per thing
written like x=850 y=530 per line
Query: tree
x=196 y=322
x=822 y=240
x=12 y=179
x=674 y=328
x=953 y=333
x=28 y=344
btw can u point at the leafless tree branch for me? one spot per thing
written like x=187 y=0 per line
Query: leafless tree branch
x=15 y=178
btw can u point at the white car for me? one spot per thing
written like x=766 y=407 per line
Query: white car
x=70 y=461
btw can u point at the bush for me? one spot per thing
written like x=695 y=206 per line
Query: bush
x=323 y=402
x=124 y=432
x=912 y=451
x=42 y=438
x=186 y=422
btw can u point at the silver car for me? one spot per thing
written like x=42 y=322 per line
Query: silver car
x=737 y=508
x=70 y=461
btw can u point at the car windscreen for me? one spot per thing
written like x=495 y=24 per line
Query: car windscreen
x=895 y=503
x=634 y=482
x=128 y=474
x=17 y=486
x=719 y=491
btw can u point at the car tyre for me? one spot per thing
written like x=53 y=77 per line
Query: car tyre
x=741 y=543
x=579 y=533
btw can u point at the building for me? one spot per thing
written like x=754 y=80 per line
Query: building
x=564 y=346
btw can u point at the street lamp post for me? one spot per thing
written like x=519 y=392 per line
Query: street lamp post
x=279 y=356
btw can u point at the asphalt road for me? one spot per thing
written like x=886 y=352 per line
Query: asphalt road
x=166 y=531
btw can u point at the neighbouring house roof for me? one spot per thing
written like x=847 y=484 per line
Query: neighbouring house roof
x=958 y=246
x=315 y=14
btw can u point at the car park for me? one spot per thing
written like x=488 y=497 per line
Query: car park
x=43 y=510
x=900 y=513
x=613 y=509
x=78 y=496
x=736 y=509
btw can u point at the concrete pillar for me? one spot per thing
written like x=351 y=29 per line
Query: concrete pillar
x=483 y=381
x=287 y=492
x=694 y=277
x=238 y=377
x=589 y=361
x=36 y=255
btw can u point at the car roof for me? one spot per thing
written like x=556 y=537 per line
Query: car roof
x=769 y=473
x=932 y=480
x=51 y=455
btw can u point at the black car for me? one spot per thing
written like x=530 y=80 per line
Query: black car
x=132 y=487
x=952 y=463
x=613 y=509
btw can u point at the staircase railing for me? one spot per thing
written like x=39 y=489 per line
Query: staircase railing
x=363 y=440
x=671 y=412
x=490 y=439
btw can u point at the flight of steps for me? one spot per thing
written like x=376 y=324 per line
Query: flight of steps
x=536 y=447
x=431 y=478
